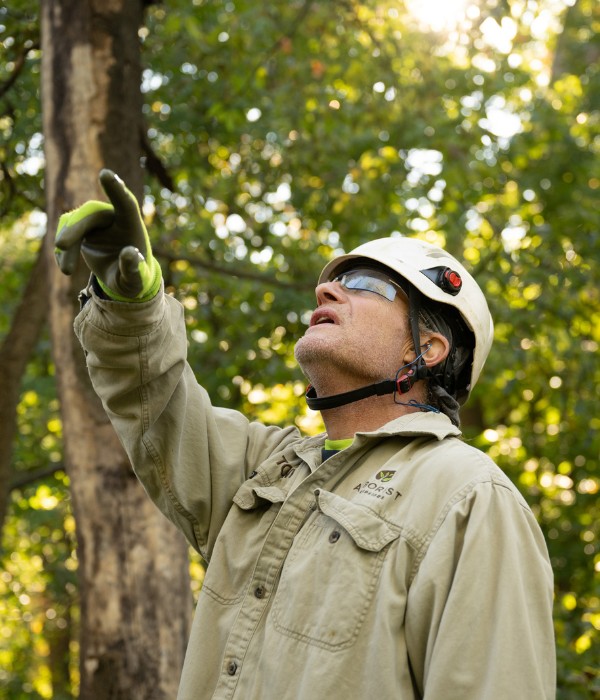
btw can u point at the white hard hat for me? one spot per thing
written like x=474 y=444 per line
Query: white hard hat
x=438 y=276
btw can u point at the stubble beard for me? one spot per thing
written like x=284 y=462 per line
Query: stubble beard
x=325 y=366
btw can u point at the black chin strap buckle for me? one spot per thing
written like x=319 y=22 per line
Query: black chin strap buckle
x=405 y=381
x=415 y=370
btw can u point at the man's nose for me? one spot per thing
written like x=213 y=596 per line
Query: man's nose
x=329 y=291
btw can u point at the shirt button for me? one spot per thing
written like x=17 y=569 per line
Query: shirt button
x=252 y=475
x=334 y=537
x=232 y=668
x=259 y=592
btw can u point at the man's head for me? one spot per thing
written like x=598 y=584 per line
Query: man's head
x=440 y=300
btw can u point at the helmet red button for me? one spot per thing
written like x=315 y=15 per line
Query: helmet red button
x=451 y=281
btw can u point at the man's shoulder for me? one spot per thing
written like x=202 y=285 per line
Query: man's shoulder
x=429 y=459
x=454 y=469
x=432 y=446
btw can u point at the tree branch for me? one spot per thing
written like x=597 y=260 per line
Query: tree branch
x=10 y=187
x=30 y=477
x=154 y=165
x=15 y=352
x=19 y=64
x=229 y=272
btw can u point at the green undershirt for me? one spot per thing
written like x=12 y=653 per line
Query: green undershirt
x=332 y=447
x=338 y=444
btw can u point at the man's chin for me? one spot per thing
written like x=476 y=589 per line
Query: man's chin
x=311 y=349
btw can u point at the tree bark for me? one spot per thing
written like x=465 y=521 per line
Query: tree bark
x=133 y=568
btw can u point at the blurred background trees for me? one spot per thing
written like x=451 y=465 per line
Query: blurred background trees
x=271 y=137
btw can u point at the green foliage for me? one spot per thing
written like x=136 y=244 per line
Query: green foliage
x=290 y=131
x=38 y=594
x=21 y=138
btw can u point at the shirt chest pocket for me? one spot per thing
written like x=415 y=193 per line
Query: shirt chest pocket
x=240 y=540
x=331 y=573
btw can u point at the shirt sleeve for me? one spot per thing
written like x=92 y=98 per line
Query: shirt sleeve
x=479 y=612
x=190 y=456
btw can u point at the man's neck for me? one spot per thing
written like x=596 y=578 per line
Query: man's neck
x=364 y=416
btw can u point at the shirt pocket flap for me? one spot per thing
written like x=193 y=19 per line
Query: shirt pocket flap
x=368 y=530
x=250 y=496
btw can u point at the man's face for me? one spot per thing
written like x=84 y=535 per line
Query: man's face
x=356 y=335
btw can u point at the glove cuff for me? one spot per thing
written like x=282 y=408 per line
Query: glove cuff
x=148 y=292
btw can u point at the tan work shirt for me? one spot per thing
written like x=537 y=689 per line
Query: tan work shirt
x=405 y=566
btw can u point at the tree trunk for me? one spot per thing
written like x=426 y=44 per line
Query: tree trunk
x=134 y=583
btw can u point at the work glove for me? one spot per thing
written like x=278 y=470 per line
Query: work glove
x=113 y=241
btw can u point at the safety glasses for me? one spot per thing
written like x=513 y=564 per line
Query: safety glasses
x=369 y=280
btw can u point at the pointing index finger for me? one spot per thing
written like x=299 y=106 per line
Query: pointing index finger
x=116 y=190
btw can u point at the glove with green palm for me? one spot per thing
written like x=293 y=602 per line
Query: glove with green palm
x=113 y=241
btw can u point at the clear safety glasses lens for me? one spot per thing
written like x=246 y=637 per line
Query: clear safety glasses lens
x=369 y=281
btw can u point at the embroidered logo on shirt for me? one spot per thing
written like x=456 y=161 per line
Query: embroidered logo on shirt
x=375 y=489
x=384 y=475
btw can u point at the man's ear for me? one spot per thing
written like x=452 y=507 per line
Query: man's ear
x=437 y=352
x=439 y=347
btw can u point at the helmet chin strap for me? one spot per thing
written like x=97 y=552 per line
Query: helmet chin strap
x=401 y=384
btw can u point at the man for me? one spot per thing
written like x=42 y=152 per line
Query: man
x=384 y=559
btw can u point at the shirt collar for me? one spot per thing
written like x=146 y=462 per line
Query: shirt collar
x=415 y=424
